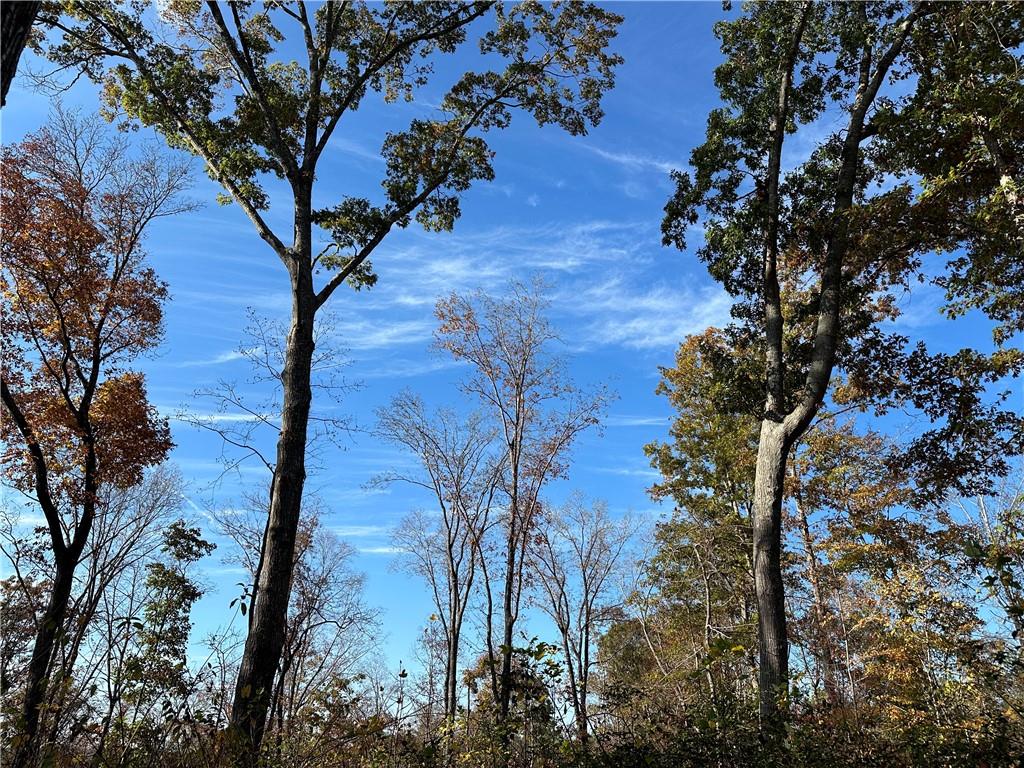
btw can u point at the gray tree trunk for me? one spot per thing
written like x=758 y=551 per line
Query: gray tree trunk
x=773 y=673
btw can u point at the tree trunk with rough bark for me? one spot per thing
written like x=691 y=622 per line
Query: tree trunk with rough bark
x=265 y=640
x=16 y=20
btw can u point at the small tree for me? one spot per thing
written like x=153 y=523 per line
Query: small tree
x=460 y=471
x=575 y=555
x=538 y=413
x=81 y=303
x=156 y=683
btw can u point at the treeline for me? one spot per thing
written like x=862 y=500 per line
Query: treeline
x=840 y=579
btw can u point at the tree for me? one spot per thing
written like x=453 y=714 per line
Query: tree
x=538 y=413
x=123 y=540
x=701 y=573
x=445 y=547
x=816 y=255
x=575 y=554
x=16 y=21
x=81 y=304
x=155 y=683
x=900 y=657
x=281 y=117
x=330 y=628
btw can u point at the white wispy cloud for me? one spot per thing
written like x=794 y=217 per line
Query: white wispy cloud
x=27 y=521
x=627 y=471
x=634 y=190
x=633 y=161
x=188 y=417
x=405 y=368
x=623 y=420
x=278 y=302
x=920 y=307
x=350 y=147
x=398 y=313
x=223 y=357
x=647 y=318
x=228 y=570
x=379 y=332
x=493 y=255
x=382 y=550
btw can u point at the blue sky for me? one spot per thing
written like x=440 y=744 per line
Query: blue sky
x=583 y=213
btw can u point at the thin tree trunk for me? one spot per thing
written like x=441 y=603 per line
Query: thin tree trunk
x=509 y=622
x=265 y=641
x=584 y=671
x=16 y=20
x=574 y=694
x=451 y=701
x=50 y=626
x=708 y=675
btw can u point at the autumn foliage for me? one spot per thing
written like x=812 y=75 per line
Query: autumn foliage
x=82 y=304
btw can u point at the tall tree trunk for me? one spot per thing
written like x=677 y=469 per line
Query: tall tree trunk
x=773 y=671
x=265 y=641
x=50 y=626
x=16 y=20
x=451 y=684
x=779 y=429
x=773 y=674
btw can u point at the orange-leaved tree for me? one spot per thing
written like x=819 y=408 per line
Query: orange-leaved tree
x=80 y=304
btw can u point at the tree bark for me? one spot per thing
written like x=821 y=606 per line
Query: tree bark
x=773 y=675
x=16 y=20
x=50 y=627
x=265 y=641
x=505 y=679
